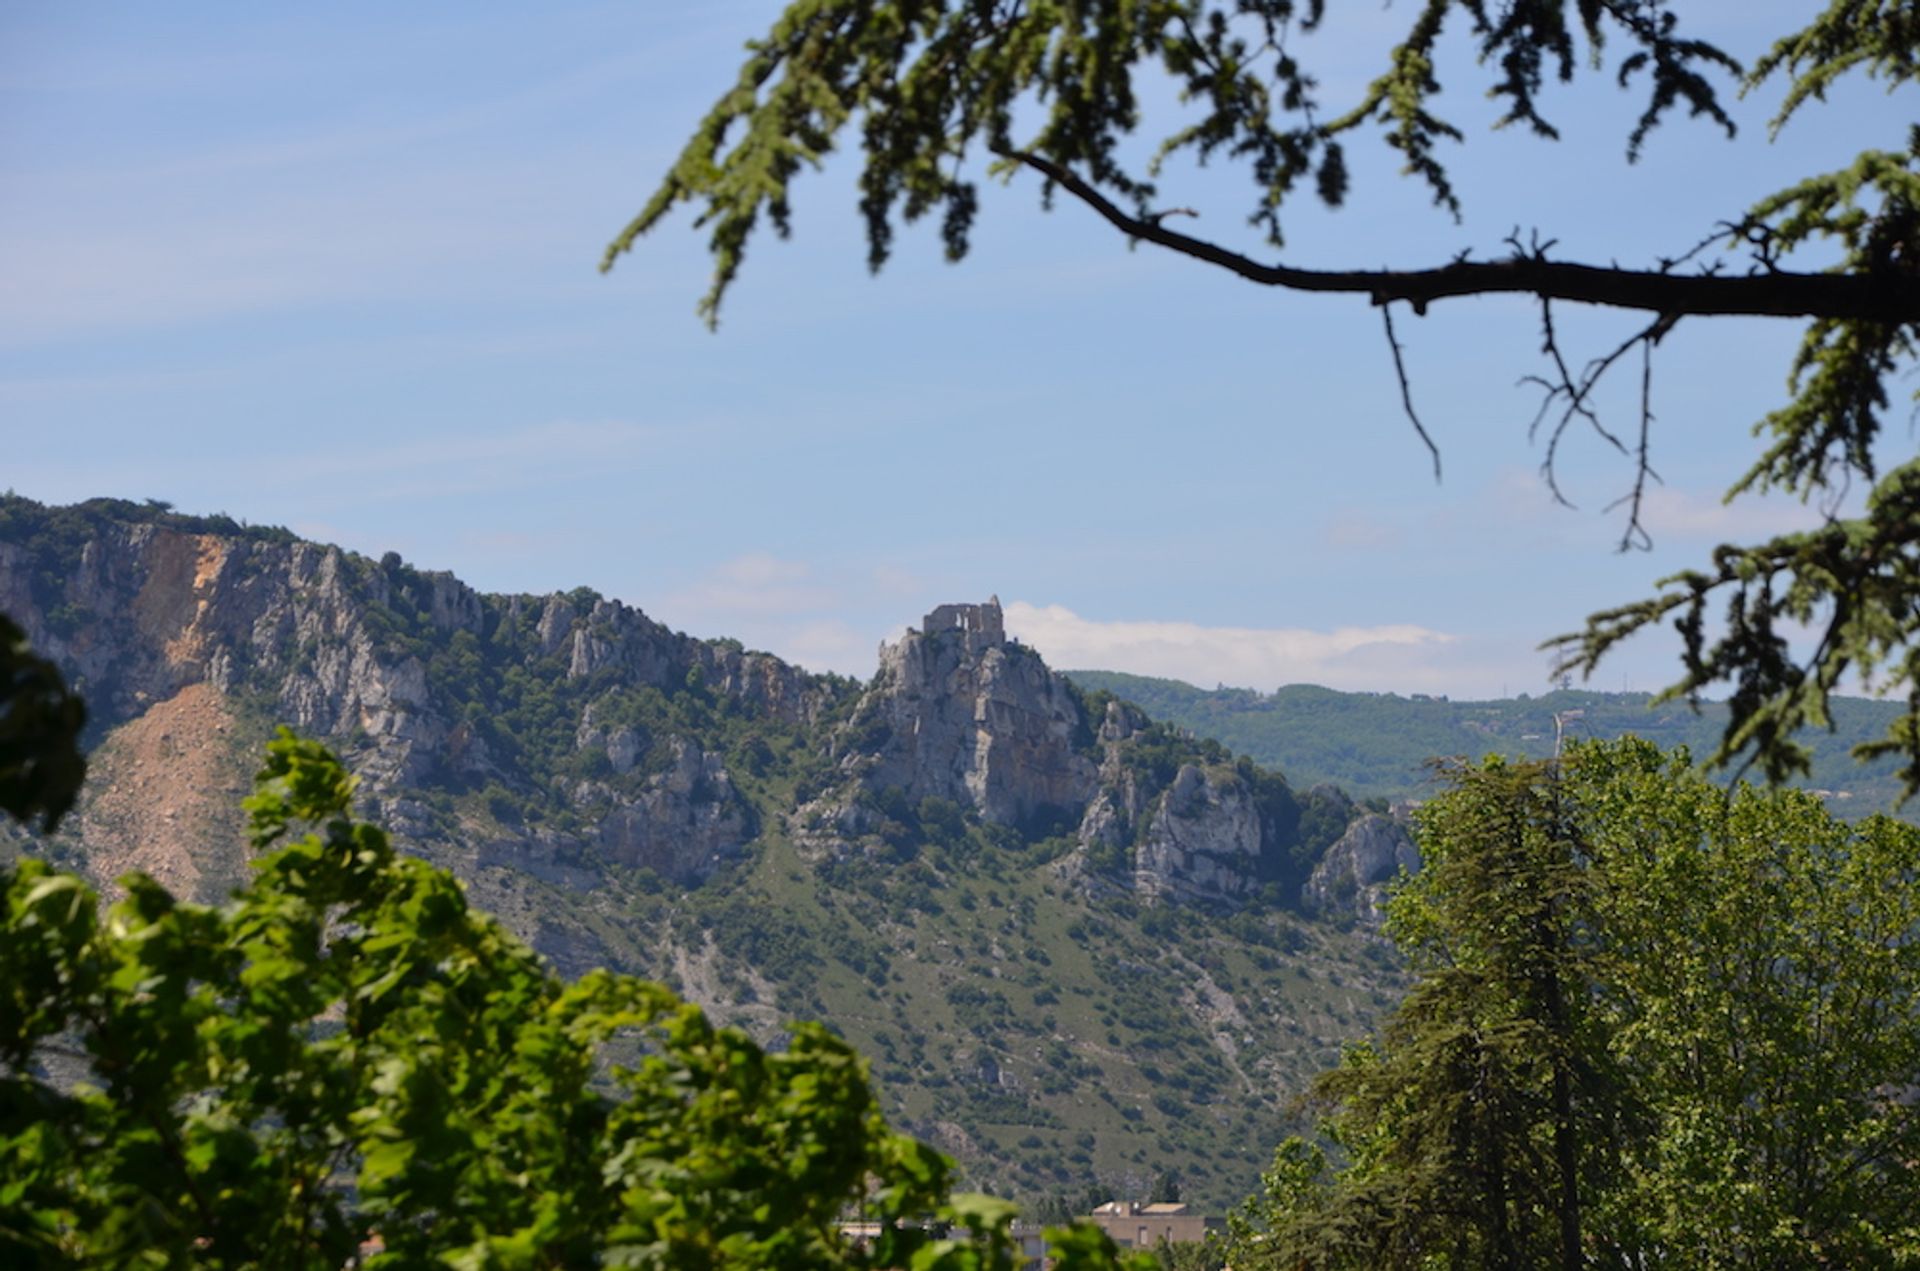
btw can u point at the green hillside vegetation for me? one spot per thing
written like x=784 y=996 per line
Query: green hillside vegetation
x=1653 y=1024
x=1378 y=745
x=1053 y=1038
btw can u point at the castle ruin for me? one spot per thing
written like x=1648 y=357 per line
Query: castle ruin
x=983 y=621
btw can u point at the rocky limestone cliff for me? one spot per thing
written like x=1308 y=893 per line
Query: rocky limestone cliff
x=684 y=823
x=571 y=734
x=1351 y=880
x=959 y=712
x=385 y=661
x=1203 y=841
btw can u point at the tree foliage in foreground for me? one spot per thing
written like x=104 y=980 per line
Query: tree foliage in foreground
x=1054 y=87
x=41 y=766
x=347 y=1053
x=1652 y=1025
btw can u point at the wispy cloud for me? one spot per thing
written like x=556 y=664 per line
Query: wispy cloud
x=823 y=617
x=298 y=241
x=756 y=585
x=1692 y=514
x=1401 y=656
x=1356 y=531
x=349 y=218
x=299 y=481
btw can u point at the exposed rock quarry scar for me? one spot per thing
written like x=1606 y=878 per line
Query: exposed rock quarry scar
x=166 y=799
x=173 y=603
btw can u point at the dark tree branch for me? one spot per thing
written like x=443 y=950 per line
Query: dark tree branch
x=1577 y=392
x=1779 y=294
x=1406 y=390
x=1635 y=534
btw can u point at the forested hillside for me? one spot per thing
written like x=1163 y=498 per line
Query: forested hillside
x=1083 y=950
x=1377 y=745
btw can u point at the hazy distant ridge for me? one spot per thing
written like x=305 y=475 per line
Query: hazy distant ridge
x=1376 y=745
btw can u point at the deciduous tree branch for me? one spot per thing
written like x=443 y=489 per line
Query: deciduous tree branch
x=1777 y=294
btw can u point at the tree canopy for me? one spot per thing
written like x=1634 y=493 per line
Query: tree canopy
x=1651 y=1024
x=1054 y=88
x=41 y=766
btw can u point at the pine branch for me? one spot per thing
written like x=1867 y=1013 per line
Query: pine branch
x=1846 y=297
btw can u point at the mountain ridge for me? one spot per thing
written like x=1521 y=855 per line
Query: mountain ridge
x=1075 y=941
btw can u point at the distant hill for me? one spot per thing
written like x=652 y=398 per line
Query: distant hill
x=1377 y=745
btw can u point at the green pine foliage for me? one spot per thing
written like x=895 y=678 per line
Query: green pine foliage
x=938 y=94
x=1651 y=1024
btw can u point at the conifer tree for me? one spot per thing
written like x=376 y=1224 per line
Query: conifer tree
x=1651 y=1024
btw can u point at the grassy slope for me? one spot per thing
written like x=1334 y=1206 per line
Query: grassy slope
x=1049 y=1040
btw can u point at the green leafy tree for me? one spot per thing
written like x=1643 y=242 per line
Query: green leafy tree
x=346 y=1062
x=1193 y=1255
x=1054 y=88
x=1763 y=992
x=41 y=766
x=1652 y=1024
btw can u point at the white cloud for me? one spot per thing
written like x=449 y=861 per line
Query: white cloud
x=1691 y=514
x=755 y=585
x=782 y=605
x=832 y=645
x=1400 y=657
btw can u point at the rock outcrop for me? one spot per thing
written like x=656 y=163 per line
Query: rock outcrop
x=161 y=608
x=959 y=712
x=1204 y=840
x=566 y=734
x=384 y=662
x=1351 y=879
x=684 y=824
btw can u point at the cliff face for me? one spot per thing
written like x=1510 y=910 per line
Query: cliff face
x=573 y=733
x=396 y=667
x=1204 y=841
x=959 y=712
x=1351 y=880
x=962 y=714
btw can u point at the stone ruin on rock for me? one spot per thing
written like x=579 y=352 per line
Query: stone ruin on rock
x=986 y=623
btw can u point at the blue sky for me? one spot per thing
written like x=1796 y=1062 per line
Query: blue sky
x=334 y=267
